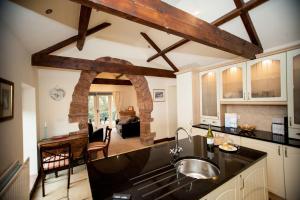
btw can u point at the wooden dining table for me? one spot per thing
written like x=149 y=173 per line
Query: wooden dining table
x=78 y=143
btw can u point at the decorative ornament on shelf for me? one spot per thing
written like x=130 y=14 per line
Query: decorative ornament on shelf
x=57 y=93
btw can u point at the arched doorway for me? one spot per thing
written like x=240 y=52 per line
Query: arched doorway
x=78 y=111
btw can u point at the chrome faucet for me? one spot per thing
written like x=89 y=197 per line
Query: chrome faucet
x=178 y=149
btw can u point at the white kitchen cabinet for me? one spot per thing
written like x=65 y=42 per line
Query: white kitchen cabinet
x=293 y=82
x=227 y=191
x=275 y=171
x=233 y=139
x=187 y=102
x=251 y=184
x=199 y=131
x=233 y=82
x=266 y=78
x=292 y=175
x=210 y=108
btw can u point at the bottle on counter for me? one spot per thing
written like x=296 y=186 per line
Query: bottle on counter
x=210 y=137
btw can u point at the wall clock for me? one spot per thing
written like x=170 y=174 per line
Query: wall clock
x=57 y=93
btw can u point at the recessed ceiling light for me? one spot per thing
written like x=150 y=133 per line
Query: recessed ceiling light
x=48 y=11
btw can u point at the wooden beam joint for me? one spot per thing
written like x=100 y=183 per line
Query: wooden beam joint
x=151 y=42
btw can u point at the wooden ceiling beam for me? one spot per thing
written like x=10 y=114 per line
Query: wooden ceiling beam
x=170 y=48
x=97 y=66
x=246 y=19
x=225 y=18
x=237 y=11
x=111 y=81
x=161 y=16
x=84 y=19
x=70 y=40
x=151 y=42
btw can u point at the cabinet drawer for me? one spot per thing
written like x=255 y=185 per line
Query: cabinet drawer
x=213 y=122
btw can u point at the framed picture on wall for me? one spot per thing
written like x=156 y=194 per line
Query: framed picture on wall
x=6 y=100
x=158 y=95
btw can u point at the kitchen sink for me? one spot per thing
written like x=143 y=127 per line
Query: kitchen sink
x=197 y=168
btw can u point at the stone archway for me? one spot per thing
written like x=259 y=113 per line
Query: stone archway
x=78 y=111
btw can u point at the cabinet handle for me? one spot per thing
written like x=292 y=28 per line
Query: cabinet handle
x=285 y=152
x=243 y=184
x=248 y=95
x=279 y=150
x=290 y=121
x=297 y=133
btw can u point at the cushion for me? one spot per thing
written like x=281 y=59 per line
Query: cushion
x=96 y=146
x=55 y=161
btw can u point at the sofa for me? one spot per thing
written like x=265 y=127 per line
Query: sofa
x=128 y=127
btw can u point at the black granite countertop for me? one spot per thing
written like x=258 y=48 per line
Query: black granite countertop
x=259 y=135
x=149 y=173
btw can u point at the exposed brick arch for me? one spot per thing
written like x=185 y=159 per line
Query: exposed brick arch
x=78 y=111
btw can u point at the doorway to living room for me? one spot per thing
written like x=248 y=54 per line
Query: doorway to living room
x=102 y=109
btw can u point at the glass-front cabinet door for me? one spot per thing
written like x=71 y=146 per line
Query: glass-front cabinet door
x=293 y=74
x=233 y=82
x=266 y=78
x=209 y=96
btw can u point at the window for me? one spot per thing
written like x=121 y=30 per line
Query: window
x=101 y=109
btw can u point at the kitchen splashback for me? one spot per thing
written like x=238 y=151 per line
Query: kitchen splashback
x=258 y=115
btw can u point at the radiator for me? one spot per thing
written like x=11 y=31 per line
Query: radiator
x=14 y=182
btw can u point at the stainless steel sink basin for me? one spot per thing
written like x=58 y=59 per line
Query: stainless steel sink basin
x=197 y=168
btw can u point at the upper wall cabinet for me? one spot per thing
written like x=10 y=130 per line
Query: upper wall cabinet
x=266 y=78
x=233 y=82
x=210 y=97
x=293 y=74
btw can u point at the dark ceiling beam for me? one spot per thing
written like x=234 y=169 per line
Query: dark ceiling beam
x=70 y=40
x=170 y=48
x=246 y=19
x=111 y=81
x=161 y=16
x=84 y=19
x=237 y=12
x=151 y=42
x=225 y=18
x=97 y=66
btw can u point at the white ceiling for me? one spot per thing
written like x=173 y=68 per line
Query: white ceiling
x=276 y=23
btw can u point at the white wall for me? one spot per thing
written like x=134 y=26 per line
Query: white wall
x=15 y=66
x=55 y=113
x=160 y=125
x=127 y=93
x=172 y=110
x=29 y=127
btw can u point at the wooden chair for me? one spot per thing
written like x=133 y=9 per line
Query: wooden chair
x=100 y=146
x=55 y=158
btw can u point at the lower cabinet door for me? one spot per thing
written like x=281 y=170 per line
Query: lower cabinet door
x=292 y=174
x=253 y=182
x=227 y=191
x=275 y=172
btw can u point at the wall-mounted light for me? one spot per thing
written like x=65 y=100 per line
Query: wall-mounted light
x=267 y=62
x=233 y=69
